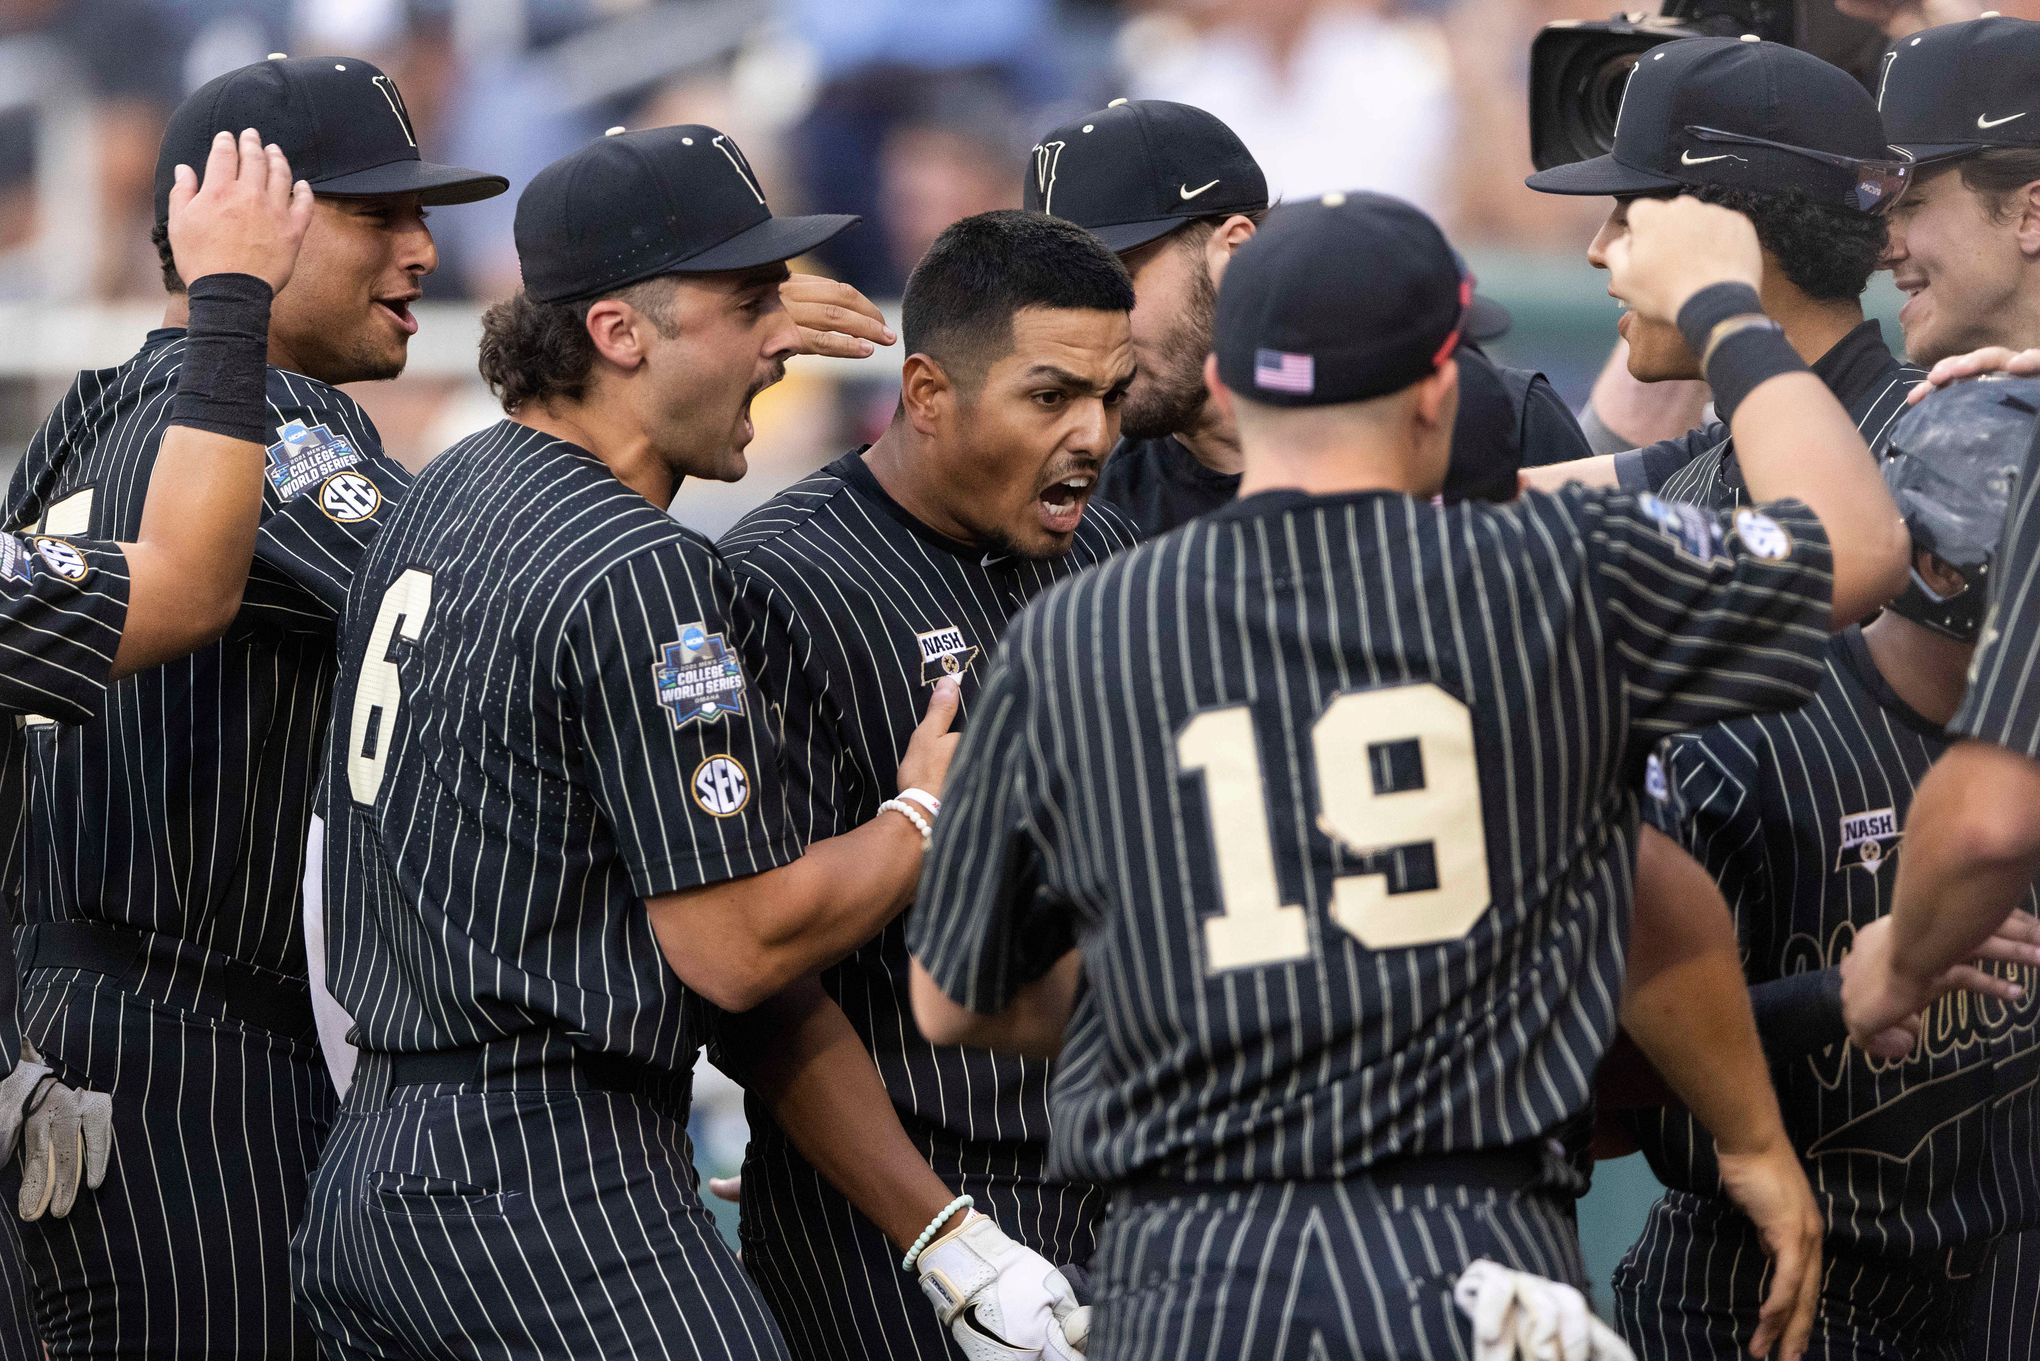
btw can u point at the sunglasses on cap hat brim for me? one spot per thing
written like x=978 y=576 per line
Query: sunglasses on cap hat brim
x=1879 y=184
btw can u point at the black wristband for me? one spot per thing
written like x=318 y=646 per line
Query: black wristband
x=1745 y=358
x=1799 y=1014
x=223 y=382
x=1710 y=307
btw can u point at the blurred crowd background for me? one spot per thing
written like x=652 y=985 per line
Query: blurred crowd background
x=910 y=112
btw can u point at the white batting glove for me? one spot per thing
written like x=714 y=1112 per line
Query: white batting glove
x=1520 y=1317
x=65 y=1135
x=1001 y=1301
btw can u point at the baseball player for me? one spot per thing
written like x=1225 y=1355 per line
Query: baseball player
x=1362 y=954
x=1795 y=145
x=859 y=589
x=1921 y=1150
x=556 y=839
x=75 y=615
x=1175 y=192
x=161 y=957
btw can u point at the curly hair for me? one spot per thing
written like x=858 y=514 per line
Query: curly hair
x=1828 y=251
x=541 y=351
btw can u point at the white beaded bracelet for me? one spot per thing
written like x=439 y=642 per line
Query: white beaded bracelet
x=925 y=799
x=911 y=814
x=934 y=1226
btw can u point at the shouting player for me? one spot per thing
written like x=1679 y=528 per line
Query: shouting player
x=1923 y=1152
x=160 y=889
x=862 y=587
x=1340 y=851
x=1175 y=192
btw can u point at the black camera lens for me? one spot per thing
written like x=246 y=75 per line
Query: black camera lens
x=1577 y=74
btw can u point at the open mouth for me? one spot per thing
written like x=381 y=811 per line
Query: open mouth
x=1913 y=289
x=400 y=311
x=1062 y=503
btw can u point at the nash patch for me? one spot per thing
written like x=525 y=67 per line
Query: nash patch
x=944 y=653
x=306 y=455
x=1690 y=527
x=1868 y=839
x=1762 y=535
x=721 y=786
x=699 y=677
x=66 y=561
x=13 y=559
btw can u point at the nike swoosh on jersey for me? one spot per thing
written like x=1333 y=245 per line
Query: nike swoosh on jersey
x=1688 y=158
x=1983 y=122
x=1188 y=193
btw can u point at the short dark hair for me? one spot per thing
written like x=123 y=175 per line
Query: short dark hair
x=1827 y=250
x=961 y=299
x=159 y=237
x=1998 y=175
x=538 y=351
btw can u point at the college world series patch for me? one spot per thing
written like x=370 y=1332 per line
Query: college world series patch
x=699 y=677
x=13 y=558
x=306 y=455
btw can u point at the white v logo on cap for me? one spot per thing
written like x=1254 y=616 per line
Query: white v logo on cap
x=1983 y=122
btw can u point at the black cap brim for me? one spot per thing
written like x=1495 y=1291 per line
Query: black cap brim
x=1603 y=175
x=435 y=185
x=769 y=242
x=1486 y=319
x=1121 y=237
x=1927 y=153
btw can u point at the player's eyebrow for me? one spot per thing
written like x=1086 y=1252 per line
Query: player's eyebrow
x=1058 y=376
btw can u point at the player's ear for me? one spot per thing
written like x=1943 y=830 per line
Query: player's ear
x=1221 y=395
x=1438 y=395
x=1231 y=234
x=1945 y=580
x=618 y=332
x=925 y=392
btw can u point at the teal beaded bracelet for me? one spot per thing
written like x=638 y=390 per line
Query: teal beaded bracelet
x=934 y=1226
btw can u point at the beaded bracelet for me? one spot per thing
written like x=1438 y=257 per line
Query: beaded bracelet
x=911 y=814
x=928 y=1234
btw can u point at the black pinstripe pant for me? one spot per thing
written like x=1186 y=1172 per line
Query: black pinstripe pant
x=17 y=1333
x=1690 y=1287
x=2004 y=1308
x=182 y=1253
x=530 y=1218
x=1302 y=1271
x=834 y=1281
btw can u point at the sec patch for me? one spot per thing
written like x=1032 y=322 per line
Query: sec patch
x=66 y=561
x=721 y=786
x=1762 y=535
x=349 y=498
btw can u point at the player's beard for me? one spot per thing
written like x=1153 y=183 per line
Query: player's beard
x=1169 y=398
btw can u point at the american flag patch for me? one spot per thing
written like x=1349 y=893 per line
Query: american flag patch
x=1280 y=371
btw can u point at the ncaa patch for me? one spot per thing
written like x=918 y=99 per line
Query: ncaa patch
x=13 y=558
x=1689 y=527
x=944 y=653
x=304 y=456
x=1868 y=839
x=699 y=677
x=1762 y=535
x=349 y=498
x=721 y=786
x=66 y=561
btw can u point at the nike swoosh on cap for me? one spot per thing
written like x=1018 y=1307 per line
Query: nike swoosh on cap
x=1188 y=193
x=1688 y=158
x=1983 y=122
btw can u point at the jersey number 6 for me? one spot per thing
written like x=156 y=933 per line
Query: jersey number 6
x=1257 y=927
x=380 y=690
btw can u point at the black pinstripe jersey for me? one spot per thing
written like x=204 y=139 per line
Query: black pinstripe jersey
x=1336 y=795
x=2002 y=704
x=1700 y=466
x=851 y=611
x=183 y=808
x=541 y=721
x=1799 y=816
x=62 y=607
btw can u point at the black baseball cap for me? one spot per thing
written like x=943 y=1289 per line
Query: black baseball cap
x=1138 y=169
x=631 y=205
x=340 y=120
x=1744 y=114
x=1962 y=88
x=1339 y=299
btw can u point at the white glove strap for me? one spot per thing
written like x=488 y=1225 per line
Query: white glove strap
x=925 y=799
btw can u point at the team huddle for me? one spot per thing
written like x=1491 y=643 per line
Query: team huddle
x=1191 y=841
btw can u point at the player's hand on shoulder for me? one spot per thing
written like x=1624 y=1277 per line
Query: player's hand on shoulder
x=1518 y=1316
x=246 y=217
x=929 y=750
x=1990 y=359
x=64 y=1133
x=1770 y=1186
x=1676 y=247
x=834 y=318
x=1001 y=1300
